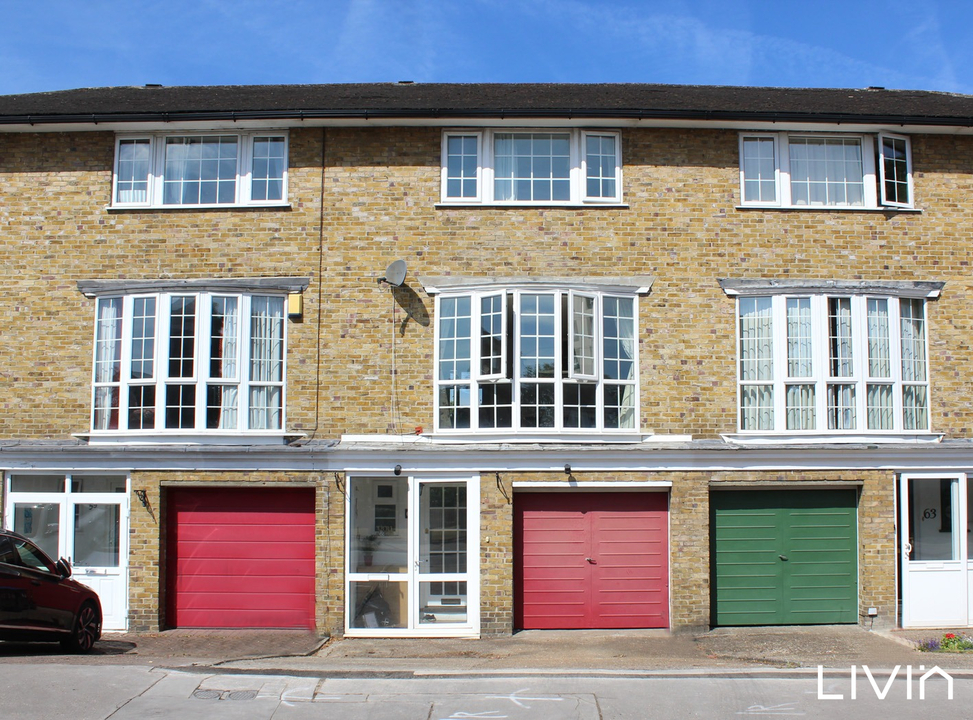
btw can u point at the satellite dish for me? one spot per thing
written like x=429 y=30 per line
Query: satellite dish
x=395 y=272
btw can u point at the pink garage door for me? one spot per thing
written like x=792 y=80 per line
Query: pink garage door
x=591 y=560
x=240 y=558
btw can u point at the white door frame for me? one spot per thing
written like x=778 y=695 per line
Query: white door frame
x=111 y=583
x=413 y=575
x=935 y=592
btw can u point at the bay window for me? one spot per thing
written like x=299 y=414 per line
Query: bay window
x=189 y=361
x=833 y=363
x=539 y=360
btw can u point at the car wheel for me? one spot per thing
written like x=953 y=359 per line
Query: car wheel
x=87 y=630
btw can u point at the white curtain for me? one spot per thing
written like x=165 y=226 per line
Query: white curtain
x=626 y=409
x=913 y=341
x=841 y=407
x=801 y=413
x=799 y=351
x=915 y=402
x=756 y=363
x=879 y=361
x=757 y=407
x=878 y=398
x=108 y=353
x=626 y=337
x=227 y=310
x=266 y=362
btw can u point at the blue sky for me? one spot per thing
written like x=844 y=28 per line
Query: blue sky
x=60 y=44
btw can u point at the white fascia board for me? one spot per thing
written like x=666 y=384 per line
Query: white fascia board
x=472 y=122
x=380 y=459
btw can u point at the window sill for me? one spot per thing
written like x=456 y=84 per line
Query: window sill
x=833 y=208
x=522 y=205
x=585 y=437
x=225 y=206
x=832 y=438
x=258 y=437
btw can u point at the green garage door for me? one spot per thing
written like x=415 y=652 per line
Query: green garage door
x=785 y=557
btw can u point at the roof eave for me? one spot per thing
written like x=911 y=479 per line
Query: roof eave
x=446 y=114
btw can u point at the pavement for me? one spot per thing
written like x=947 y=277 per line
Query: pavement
x=609 y=652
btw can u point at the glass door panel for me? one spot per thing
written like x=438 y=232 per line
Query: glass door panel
x=933 y=518
x=442 y=561
x=378 y=554
x=96 y=535
x=41 y=522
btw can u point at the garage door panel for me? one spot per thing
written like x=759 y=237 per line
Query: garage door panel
x=231 y=584
x=191 y=532
x=245 y=550
x=241 y=557
x=625 y=583
x=796 y=564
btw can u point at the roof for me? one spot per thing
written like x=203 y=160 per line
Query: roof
x=487 y=100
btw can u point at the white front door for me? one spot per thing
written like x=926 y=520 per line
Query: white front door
x=936 y=573
x=83 y=518
x=413 y=549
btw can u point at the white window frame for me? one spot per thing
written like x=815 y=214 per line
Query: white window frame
x=820 y=377
x=200 y=379
x=485 y=175
x=563 y=362
x=881 y=166
x=872 y=176
x=156 y=171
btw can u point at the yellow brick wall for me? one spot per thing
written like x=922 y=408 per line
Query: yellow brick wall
x=381 y=186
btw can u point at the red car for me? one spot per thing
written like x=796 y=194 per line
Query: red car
x=39 y=601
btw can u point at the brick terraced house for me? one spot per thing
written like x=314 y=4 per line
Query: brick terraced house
x=452 y=360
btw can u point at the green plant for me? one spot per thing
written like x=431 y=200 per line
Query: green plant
x=952 y=642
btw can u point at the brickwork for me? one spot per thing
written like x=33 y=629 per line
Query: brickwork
x=381 y=186
x=496 y=553
x=147 y=557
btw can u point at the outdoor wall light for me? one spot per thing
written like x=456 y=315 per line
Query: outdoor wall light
x=567 y=469
x=397 y=469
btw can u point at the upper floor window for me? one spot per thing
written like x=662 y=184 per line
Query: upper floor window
x=818 y=170
x=823 y=362
x=200 y=170
x=189 y=362
x=541 y=360
x=568 y=167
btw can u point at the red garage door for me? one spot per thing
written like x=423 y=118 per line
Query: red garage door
x=591 y=560
x=241 y=558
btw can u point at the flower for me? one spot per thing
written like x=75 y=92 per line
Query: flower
x=949 y=636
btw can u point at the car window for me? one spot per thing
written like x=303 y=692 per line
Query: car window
x=32 y=557
x=8 y=554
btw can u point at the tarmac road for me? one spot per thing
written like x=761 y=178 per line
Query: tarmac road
x=131 y=692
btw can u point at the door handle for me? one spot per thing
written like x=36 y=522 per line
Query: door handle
x=590 y=560
x=783 y=557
